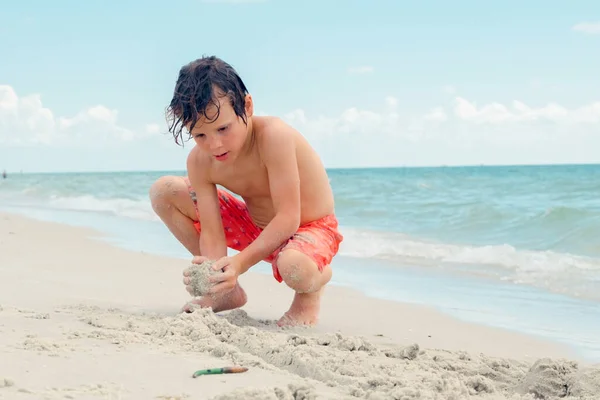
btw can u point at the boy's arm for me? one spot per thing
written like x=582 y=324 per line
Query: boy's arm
x=212 y=238
x=278 y=152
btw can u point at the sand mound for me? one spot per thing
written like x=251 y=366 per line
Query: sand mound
x=6 y=382
x=584 y=384
x=351 y=367
x=548 y=378
x=199 y=274
x=291 y=392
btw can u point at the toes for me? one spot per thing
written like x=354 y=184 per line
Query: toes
x=292 y=320
x=187 y=308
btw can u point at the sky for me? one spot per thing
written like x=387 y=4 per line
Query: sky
x=84 y=85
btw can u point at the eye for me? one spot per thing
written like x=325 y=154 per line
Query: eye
x=201 y=135
x=223 y=128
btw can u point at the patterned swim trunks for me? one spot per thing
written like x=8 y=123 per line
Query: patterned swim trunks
x=320 y=239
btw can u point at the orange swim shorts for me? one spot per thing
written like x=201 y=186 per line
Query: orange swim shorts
x=320 y=239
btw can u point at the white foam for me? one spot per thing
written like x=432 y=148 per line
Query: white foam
x=390 y=245
x=136 y=209
x=559 y=272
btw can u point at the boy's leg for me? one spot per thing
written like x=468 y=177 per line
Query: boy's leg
x=171 y=198
x=304 y=265
x=171 y=201
x=301 y=274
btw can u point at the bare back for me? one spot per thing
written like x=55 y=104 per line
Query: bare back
x=248 y=177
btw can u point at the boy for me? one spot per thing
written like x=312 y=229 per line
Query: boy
x=287 y=216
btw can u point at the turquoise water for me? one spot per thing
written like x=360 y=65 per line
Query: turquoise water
x=517 y=247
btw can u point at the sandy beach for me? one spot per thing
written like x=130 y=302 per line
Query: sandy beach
x=82 y=319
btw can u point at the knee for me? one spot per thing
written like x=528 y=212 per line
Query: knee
x=166 y=192
x=300 y=272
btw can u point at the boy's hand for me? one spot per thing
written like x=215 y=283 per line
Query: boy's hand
x=226 y=281
x=186 y=273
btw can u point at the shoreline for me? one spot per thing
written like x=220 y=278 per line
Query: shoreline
x=498 y=305
x=75 y=310
x=360 y=300
x=268 y=299
x=401 y=166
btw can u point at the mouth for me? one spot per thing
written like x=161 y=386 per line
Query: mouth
x=222 y=156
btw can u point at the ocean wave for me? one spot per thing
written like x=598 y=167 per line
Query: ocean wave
x=136 y=208
x=553 y=267
x=557 y=271
x=390 y=245
x=366 y=243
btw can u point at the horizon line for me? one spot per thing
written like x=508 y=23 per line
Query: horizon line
x=482 y=165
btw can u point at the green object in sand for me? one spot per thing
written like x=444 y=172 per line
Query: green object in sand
x=218 y=371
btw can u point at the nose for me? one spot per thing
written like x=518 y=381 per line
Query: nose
x=215 y=143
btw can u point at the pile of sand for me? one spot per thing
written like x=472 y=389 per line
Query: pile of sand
x=199 y=276
x=350 y=367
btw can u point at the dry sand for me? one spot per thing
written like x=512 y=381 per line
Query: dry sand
x=199 y=275
x=80 y=319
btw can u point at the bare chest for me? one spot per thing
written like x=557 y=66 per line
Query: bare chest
x=247 y=181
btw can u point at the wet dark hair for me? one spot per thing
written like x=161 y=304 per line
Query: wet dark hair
x=200 y=84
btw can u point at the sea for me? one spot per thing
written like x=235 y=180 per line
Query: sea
x=515 y=247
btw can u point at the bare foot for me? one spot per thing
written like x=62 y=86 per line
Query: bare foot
x=234 y=299
x=304 y=310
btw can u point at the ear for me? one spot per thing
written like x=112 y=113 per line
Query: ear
x=249 y=105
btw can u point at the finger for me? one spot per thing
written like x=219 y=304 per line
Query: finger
x=219 y=278
x=221 y=265
x=187 y=280
x=218 y=265
x=221 y=288
x=221 y=268
x=199 y=259
x=189 y=289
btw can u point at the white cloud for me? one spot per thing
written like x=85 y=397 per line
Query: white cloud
x=495 y=113
x=462 y=131
x=33 y=138
x=153 y=128
x=353 y=121
x=26 y=121
x=592 y=28
x=365 y=69
x=391 y=101
x=437 y=114
x=459 y=133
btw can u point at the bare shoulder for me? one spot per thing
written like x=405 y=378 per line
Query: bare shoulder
x=275 y=136
x=274 y=126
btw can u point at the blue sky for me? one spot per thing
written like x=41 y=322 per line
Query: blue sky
x=83 y=86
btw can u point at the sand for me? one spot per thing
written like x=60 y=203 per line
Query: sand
x=92 y=330
x=199 y=275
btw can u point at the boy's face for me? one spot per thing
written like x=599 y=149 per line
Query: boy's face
x=225 y=136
